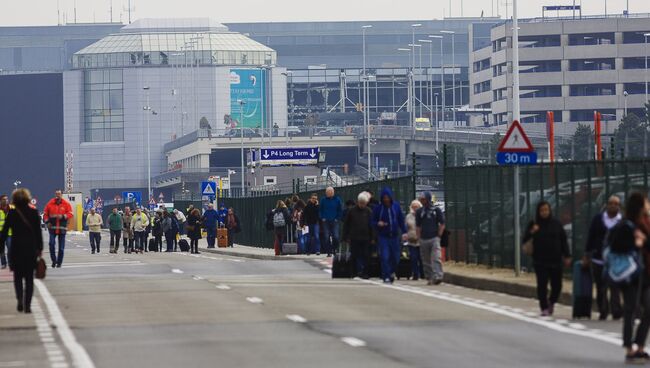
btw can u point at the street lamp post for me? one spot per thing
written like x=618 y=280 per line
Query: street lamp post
x=16 y=184
x=442 y=82
x=429 y=80
x=437 y=148
x=625 y=103
x=420 y=73
x=410 y=106
x=366 y=120
x=241 y=134
x=453 y=74
x=147 y=109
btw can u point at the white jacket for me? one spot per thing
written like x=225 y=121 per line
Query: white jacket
x=94 y=223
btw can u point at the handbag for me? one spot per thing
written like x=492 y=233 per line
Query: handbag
x=528 y=247
x=41 y=268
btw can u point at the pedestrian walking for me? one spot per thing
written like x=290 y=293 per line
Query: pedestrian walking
x=181 y=219
x=27 y=246
x=413 y=240
x=607 y=294
x=299 y=224
x=331 y=212
x=233 y=225
x=281 y=218
x=175 y=231
x=388 y=220
x=194 y=230
x=311 y=217
x=359 y=233
x=115 y=225
x=4 y=210
x=56 y=215
x=550 y=252
x=127 y=231
x=147 y=229
x=157 y=230
x=430 y=224
x=139 y=224
x=211 y=219
x=168 y=230
x=630 y=236
x=94 y=223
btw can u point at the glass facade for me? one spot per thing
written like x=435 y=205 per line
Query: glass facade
x=103 y=106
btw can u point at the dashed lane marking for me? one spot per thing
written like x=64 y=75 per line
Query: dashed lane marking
x=296 y=318
x=223 y=287
x=17 y=363
x=176 y=270
x=255 y=300
x=354 y=342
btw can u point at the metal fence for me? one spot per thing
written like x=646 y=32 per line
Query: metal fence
x=252 y=211
x=479 y=203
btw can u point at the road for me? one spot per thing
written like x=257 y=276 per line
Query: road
x=177 y=310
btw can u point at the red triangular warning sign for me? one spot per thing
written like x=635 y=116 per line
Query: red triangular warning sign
x=516 y=140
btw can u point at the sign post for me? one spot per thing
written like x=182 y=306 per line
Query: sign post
x=516 y=150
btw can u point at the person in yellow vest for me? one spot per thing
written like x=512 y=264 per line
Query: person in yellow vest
x=139 y=223
x=4 y=209
x=94 y=222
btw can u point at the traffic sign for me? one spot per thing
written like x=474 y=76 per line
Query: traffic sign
x=209 y=188
x=288 y=156
x=517 y=158
x=516 y=140
x=128 y=197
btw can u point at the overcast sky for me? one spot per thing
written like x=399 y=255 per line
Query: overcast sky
x=44 y=12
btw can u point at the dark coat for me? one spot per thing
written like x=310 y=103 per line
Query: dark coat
x=596 y=238
x=26 y=238
x=357 y=225
x=237 y=227
x=311 y=214
x=550 y=243
x=195 y=223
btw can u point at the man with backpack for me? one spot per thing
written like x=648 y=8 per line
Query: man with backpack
x=601 y=224
x=430 y=224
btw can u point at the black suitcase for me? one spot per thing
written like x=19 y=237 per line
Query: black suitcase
x=404 y=266
x=342 y=265
x=582 y=291
x=153 y=247
x=183 y=245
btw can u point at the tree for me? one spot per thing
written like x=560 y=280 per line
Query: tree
x=489 y=149
x=580 y=147
x=632 y=137
x=455 y=155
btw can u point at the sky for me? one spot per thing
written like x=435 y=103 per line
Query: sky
x=44 y=12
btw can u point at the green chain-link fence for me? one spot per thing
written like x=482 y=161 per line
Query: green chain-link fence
x=479 y=203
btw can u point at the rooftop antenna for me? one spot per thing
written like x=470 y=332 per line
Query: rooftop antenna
x=110 y=3
x=75 y=11
x=58 y=13
x=130 y=8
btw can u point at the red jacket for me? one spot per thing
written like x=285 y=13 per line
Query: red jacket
x=55 y=207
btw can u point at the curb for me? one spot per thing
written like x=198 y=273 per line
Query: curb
x=262 y=257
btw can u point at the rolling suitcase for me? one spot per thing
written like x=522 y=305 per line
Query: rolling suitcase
x=152 y=246
x=582 y=291
x=222 y=237
x=290 y=248
x=183 y=245
x=342 y=266
x=404 y=266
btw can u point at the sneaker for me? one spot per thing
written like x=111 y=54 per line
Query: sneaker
x=437 y=281
x=3 y=267
x=387 y=281
x=545 y=313
x=551 y=309
x=329 y=254
x=93 y=252
x=53 y=265
x=19 y=308
x=635 y=358
x=58 y=265
x=318 y=254
x=429 y=282
x=28 y=310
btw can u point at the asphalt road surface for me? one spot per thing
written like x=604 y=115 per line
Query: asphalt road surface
x=179 y=310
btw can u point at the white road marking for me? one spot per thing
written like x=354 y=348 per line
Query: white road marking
x=17 y=363
x=296 y=318
x=79 y=355
x=197 y=278
x=354 y=342
x=176 y=270
x=254 y=300
x=615 y=340
x=327 y=270
x=223 y=287
x=104 y=264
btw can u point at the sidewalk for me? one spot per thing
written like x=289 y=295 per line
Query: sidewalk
x=498 y=280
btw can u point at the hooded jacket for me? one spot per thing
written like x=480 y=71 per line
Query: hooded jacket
x=392 y=215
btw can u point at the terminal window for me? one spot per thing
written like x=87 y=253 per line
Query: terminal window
x=103 y=106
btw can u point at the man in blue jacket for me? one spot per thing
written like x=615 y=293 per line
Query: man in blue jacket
x=388 y=220
x=210 y=219
x=331 y=211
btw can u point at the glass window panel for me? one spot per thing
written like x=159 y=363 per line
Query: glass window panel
x=117 y=135
x=115 y=99
x=116 y=75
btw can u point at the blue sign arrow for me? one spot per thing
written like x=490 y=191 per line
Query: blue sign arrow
x=517 y=158
x=300 y=155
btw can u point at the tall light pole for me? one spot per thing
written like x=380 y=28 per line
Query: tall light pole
x=241 y=134
x=516 y=116
x=429 y=82
x=366 y=119
x=16 y=184
x=453 y=74
x=625 y=103
x=437 y=143
x=411 y=93
x=147 y=110
x=415 y=45
x=442 y=80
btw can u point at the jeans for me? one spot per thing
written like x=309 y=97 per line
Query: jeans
x=278 y=240
x=606 y=303
x=194 y=245
x=170 y=237
x=630 y=304
x=95 y=239
x=360 y=252
x=545 y=274
x=430 y=254
x=115 y=240
x=231 y=238
x=4 y=256
x=140 y=239
x=313 y=239
x=416 y=261
x=211 y=237
x=53 y=255
x=24 y=296
x=300 y=241
x=331 y=230
x=389 y=254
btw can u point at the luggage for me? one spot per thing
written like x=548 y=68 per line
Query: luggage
x=222 y=237
x=582 y=291
x=404 y=266
x=290 y=248
x=342 y=265
x=153 y=247
x=183 y=245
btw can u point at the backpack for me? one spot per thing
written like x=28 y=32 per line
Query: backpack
x=278 y=219
x=621 y=268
